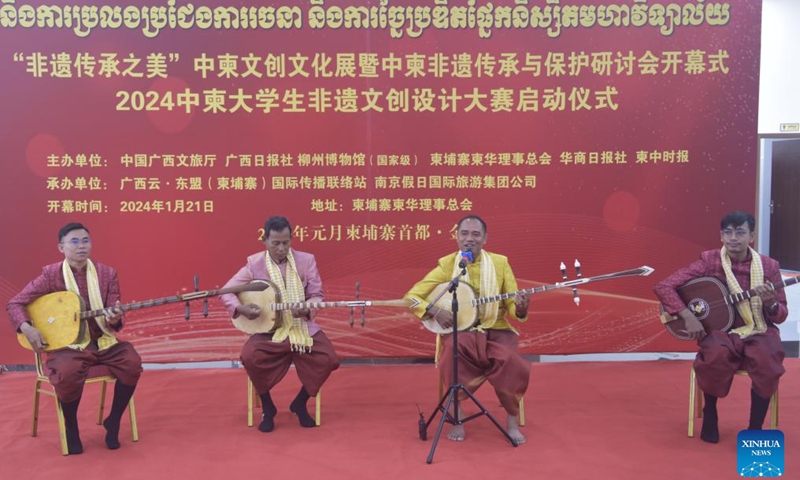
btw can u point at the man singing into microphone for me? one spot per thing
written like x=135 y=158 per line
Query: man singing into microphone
x=488 y=351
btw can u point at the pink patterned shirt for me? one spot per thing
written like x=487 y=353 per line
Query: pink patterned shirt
x=256 y=268
x=710 y=265
x=52 y=280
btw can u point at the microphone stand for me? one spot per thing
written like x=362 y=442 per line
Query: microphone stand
x=451 y=396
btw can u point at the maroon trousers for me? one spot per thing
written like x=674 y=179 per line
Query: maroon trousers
x=488 y=356
x=267 y=362
x=722 y=354
x=68 y=368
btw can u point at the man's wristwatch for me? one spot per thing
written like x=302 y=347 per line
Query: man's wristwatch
x=773 y=307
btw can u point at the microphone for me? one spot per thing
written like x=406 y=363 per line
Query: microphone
x=466 y=257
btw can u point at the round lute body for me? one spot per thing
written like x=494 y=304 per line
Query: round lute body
x=57 y=317
x=467 y=314
x=267 y=321
x=706 y=298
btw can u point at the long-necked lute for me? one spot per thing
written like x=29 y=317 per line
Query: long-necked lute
x=468 y=301
x=61 y=317
x=270 y=301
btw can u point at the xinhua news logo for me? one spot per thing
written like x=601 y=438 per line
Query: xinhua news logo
x=760 y=453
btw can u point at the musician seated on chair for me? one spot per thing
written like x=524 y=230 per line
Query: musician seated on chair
x=68 y=367
x=297 y=338
x=753 y=343
x=488 y=351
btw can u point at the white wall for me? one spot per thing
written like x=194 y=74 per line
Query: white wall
x=779 y=92
x=790 y=329
x=764 y=195
x=779 y=102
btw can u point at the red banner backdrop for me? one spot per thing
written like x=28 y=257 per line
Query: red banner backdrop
x=617 y=133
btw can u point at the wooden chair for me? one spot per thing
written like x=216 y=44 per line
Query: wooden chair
x=254 y=399
x=696 y=403
x=97 y=374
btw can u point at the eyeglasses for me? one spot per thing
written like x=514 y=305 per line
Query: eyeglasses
x=76 y=241
x=738 y=233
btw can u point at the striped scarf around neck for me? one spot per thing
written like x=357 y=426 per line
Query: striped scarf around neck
x=291 y=290
x=488 y=287
x=749 y=310
x=108 y=339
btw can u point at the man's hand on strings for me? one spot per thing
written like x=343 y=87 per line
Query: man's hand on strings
x=769 y=296
x=249 y=310
x=113 y=315
x=34 y=337
x=443 y=317
x=301 y=312
x=694 y=329
x=521 y=302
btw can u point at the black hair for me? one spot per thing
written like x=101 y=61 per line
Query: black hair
x=68 y=228
x=738 y=218
x=276 y=224
x=472 y=217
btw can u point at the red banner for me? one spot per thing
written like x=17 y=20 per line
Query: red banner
x=617 y=133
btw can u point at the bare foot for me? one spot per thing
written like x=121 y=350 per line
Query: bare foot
x=512 y=427
x=456 y=433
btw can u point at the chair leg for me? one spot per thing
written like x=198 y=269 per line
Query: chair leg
x=252 y=399
x=692 y=401
x=249 y=402
x=102 y=402
x=318 y=402
x=35 y=408
x=62 y=428
x=521 y=412
x=134 y=426
x=773 y=415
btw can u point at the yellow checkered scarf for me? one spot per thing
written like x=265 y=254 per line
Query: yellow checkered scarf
x=96 y=299
x=488 y=287
x=292 y=291
x=750 y=311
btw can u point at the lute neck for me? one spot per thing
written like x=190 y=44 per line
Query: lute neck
x=529 y=291
x=136 y=305
x=299 y=305
x=402 y=302
x=184 y=297
x=736 y=298
x=642 y=271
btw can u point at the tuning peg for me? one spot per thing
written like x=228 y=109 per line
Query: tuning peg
x=575 y=297
x=352 y=309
